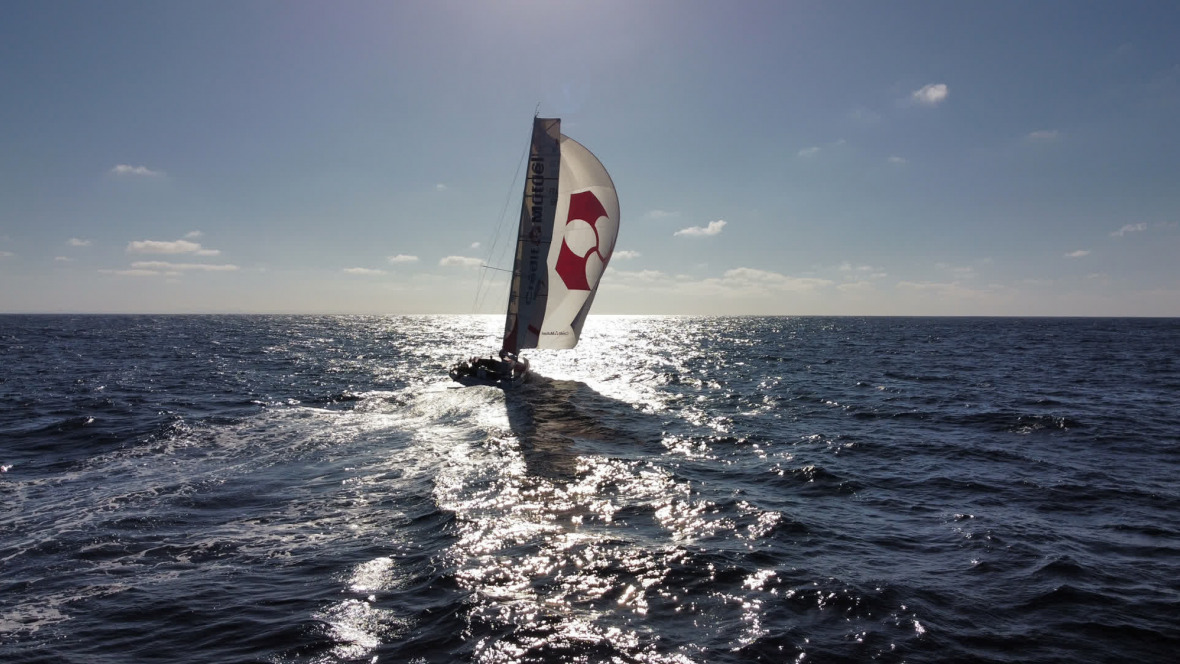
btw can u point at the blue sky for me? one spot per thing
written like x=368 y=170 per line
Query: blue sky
x=908 y=158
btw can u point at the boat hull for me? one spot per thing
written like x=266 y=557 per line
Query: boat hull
x=503 y=375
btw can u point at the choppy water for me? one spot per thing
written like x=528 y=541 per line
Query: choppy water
x=311 y=489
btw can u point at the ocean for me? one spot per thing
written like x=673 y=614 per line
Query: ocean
x=312 y=489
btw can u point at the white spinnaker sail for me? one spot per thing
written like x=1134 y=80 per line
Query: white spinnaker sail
x=586 y=225
x=573 y=227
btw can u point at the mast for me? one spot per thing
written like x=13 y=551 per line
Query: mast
x=530 y=275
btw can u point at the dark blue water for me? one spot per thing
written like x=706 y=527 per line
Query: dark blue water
x=311 y=489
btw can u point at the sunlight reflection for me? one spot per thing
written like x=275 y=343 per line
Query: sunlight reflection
x=357 y=628
x=567 y=544
x=548 y=564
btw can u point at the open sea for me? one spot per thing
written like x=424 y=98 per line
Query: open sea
x=676 y=489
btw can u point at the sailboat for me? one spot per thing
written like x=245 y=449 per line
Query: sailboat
x=569 y=220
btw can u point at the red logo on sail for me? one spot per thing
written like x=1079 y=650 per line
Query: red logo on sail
x=571 y=266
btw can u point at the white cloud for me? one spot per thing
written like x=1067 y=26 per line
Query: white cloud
x=475 y=245
x=813 y=150
x=931 y=94
x=961 y=270
x=460 y=261
x=192 y=235
x=75 y=242
x=165 y=265
x=1043 y=135
x=132 y=273
x=63 y=259
x=402 y=258
x=747 y=284
x=713 y=228
x=173 y=247
x=660 y=214
x=625 y=254
x=1078 y=254
x=1129 y=228
x=123 y=170
x=440 y=187
x=953 y=289
x=857 y=287
x=645 y=276
x=861 y=271
x=864 y=117
x=6 y=254
x=752 y=279
x=955 y=297
x=363 y=271
x=894 y=159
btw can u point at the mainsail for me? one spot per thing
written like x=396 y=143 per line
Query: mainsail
x=568 y=224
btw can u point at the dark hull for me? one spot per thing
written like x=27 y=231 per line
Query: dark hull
x=466 y=374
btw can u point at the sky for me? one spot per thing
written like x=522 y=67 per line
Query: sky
x=797 y=158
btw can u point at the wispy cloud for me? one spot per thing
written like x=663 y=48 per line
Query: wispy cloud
x=1080 y=253
x=460 y=261
x=864 y=117
x=166 y=268
x=861 y=271
x=402 y=258
x=132 y=273
x=813 y=150
x=363 y=271
x=475 y=245
x=646 y=277
x=660 y=214
x=63 y=259
x=6 y=254
x=169 y=247
x=713 y=228
x=1129 y=228
x=748 y=279
x=76 y=242
x=440 y=187
x=950 y=290
x=625 y=254
x=894 y=159
x=960 y=270
x=931 y=94
x=737 y=282
x=857 y=288
x=183 y=267
x=125 y=170
x=1043 y=135
x=743 y=283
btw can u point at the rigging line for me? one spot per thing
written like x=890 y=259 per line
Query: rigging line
x=483 y=271
x=480 y=292
x=480 y=296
